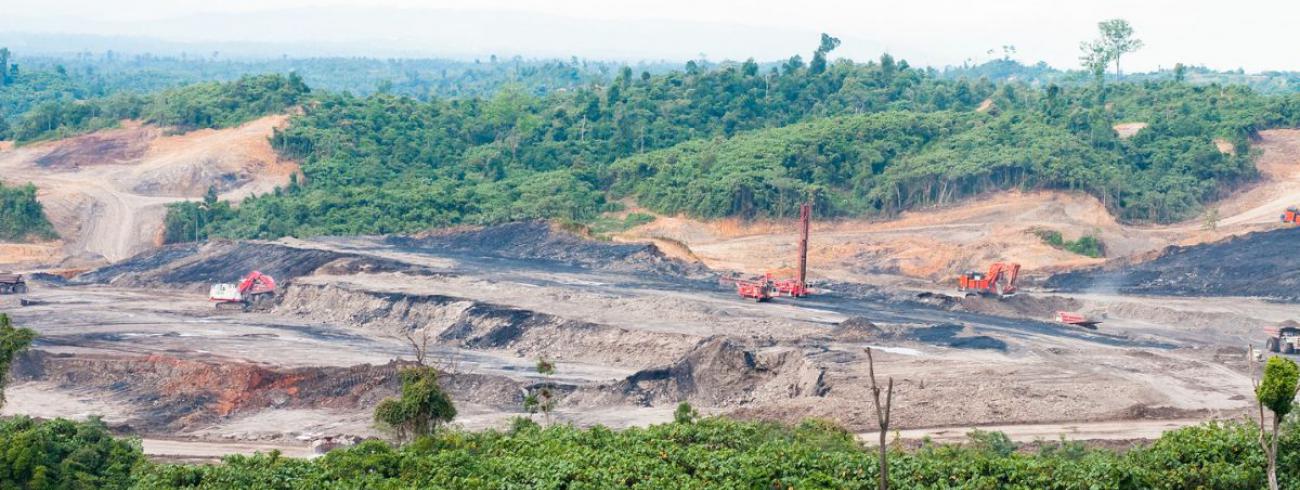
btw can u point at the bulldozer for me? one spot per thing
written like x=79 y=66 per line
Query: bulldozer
x=1283 y=338
x=1000 y=280
x=1292 y=215
x=255 y=290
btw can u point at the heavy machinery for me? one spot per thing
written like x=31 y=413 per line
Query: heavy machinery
x=1292 y=215
x=759 y=289
x=254 y=290
x=798 y=287
x=1284 y=338
x=1078 y=320
x=764 y=288
x=11 y=283
x=1000 y=280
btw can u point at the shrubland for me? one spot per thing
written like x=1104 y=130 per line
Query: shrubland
x=709 y=452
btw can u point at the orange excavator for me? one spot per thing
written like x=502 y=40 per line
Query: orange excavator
x=1000 y=280
x=1292 y=215
x=254 y=290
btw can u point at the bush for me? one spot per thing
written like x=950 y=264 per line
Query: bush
x=64 y=454
x=22 y=217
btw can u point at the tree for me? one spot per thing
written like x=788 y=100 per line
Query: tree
x=4 y=66
x=1117 y=40
x=827 y=44
x=1277 y=392
x=882 y=417
x=1094 y=59
x=421 y=409
x=542 y=398
x=12 y=341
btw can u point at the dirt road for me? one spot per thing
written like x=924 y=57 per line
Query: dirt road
x=106 y=192
x=1121 y=430
x=188 y=450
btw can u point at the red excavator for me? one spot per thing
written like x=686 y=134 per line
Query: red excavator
x=254 y=290
x=1000 y=280
x=1292 y=215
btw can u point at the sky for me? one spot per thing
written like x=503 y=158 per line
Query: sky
x=1255 y=35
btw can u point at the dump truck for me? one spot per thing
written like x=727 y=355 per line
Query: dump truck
x=1076 y=319
x=11 y=283
x=1283 y=338
x=1000 y=280
x=254 y=290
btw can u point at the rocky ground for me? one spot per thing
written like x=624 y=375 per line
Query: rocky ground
x=633 y=333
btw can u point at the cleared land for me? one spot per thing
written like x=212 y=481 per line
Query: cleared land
x=106 y=192
x=634 y=328
x=633 y=332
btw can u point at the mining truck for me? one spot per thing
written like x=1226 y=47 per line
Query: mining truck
x=1284 y=338
x=11 y=283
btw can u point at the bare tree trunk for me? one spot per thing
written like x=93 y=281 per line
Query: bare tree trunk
x=882 y=417
x=1272 y=457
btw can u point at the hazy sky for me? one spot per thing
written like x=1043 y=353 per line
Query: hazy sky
x=1251 y=34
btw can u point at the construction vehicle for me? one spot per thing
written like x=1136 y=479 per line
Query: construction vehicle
x=1000 y=280
x=11 y=283
x=764 y=288
x=254 y=290
x=1078 y=320
x=1292 y=215
x=798 y=287
x=760 y=289
x=1284 y=338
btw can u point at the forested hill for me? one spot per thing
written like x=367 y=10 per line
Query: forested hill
x=737 y=139
x=860 y=139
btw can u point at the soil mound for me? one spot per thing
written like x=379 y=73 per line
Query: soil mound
x=199 y=265
x=858 y=329
x=1260 y=264
x=539 y=240
x=479 y=325
x=719 y=372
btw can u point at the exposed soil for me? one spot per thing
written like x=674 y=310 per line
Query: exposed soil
x=106 y=192
x=539 y=240
x=632 y=332
x=1257 y=265
x=935 y=244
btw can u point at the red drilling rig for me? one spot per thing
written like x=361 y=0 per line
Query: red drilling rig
x=765 y=288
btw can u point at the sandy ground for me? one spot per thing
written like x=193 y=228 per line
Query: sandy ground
x=936 y=244
x=106 y=192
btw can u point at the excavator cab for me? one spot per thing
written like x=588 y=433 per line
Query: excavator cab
x=1292 y=215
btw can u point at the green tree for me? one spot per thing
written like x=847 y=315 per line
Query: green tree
x=1117 y=40
x=12 y=341
x=421 y=409
x=1276 y=391
x=4 y=66
x=542 y=397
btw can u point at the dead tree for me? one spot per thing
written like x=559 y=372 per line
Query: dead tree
x=420 y=346
x=882 y=417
